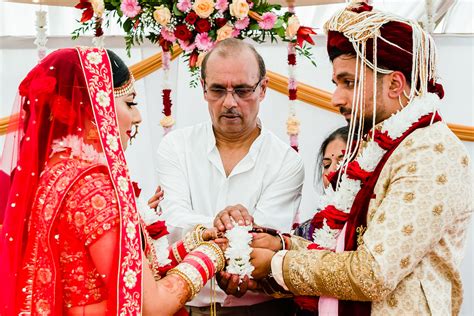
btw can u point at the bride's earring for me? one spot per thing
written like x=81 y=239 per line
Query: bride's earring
x=134 y=133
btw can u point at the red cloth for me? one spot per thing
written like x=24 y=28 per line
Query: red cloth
x=59 y=99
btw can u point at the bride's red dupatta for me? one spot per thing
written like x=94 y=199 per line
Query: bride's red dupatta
x=65 y=92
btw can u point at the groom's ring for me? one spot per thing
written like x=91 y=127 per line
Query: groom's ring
x=238 y=288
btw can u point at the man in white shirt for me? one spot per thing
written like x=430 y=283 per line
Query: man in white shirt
x=230 y=166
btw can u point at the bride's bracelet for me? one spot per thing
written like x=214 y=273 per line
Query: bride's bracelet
x=191 y=241
x=200 y=265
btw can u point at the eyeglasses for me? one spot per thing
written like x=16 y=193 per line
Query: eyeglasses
x=243 y=93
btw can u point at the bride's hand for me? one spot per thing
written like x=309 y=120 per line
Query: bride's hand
x=216 y=236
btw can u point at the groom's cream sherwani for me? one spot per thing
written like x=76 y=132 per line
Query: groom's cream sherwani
x=407 y=261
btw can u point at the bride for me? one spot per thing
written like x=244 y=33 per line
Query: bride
x=71 y=239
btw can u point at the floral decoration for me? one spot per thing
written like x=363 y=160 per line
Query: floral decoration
x=196 y=25
x=155 y=226
x=238 y=252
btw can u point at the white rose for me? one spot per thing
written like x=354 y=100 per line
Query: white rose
x=162 y=15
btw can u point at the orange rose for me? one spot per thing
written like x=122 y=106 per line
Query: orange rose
x=203 y=8
x=224 y=32
x=239 y=8
x=162 y=15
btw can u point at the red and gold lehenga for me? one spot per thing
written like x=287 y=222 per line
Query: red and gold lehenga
x=70 y=233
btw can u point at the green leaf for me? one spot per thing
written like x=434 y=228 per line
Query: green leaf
x=176 y=11
x=280 y=32
x=254 y=27
x=278 y=23
x=127 y=26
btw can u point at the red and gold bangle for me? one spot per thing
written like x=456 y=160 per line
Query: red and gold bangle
x=178 y=252
x=204 y=261
x=199 y=265
x=213 y=252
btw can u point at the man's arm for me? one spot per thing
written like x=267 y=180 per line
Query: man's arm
x=279 y=202
x=176 y=204
x=416 y=213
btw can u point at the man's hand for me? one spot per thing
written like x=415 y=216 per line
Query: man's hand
x=155 y=200
x=237 y=212
x=261 y=259
x=267 y=241
x=231 y=285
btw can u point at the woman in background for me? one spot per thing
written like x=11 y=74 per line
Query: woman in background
x=330 y=154
x=72 y=242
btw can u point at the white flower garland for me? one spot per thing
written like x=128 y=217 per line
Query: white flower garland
x=161 y=245
x=368 y=159
x=238 y=252
x=41 y=38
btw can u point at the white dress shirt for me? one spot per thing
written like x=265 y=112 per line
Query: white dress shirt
x=267 y=181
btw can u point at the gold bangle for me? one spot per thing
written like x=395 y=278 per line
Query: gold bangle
x=186 y=279
x=214 y=252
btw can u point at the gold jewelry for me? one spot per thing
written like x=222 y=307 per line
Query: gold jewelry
x=125 y=89
x=134 y=135
x=215 y=253
x=186 y=279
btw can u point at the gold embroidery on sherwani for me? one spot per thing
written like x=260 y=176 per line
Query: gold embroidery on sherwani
x=298 y=243
x=348 y=275
x=438 y=209
x=360 y=232
x=439 y=148
x=422 y=221
x=465 y=161
x=441 y=179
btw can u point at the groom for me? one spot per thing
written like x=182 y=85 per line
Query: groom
x=391 y=237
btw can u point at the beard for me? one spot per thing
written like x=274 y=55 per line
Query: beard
x=366 y=125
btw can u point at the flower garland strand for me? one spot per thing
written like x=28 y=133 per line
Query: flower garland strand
x=154 y=222
x=331 y=219
x=41 y=38
x=292 y=123
x=98 y=7
x=167 y=121
x=238 y=252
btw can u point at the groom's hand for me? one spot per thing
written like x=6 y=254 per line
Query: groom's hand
x=267 y=241
x=238 y=213
x=231 y=284
x=261 y=259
